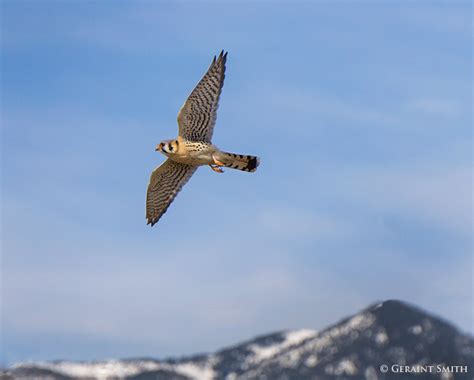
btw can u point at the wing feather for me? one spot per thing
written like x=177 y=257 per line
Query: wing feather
x=166 y=181
x=197 y=117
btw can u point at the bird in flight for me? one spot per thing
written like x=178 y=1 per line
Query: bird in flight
x=193 y=146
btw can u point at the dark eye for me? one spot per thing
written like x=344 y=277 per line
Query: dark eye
x=170 y=147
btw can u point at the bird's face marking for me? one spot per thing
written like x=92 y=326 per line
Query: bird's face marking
x=167 y=147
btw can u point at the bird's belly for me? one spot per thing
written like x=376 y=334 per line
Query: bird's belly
x=194 y=158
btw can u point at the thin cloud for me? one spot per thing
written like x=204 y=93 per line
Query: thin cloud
x=434 y=106
x=439 y=195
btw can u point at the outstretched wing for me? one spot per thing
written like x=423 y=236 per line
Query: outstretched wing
x=197 y=117
x=165 y=183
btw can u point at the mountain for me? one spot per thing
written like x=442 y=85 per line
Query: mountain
x=390 y=340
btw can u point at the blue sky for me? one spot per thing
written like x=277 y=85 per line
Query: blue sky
x=360 y=112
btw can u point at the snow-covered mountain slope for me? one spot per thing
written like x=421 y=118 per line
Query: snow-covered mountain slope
x=389 y=333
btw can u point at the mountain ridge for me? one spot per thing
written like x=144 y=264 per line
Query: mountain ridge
x=390 y=333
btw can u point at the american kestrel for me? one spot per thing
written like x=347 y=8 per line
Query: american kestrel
x=193 y=147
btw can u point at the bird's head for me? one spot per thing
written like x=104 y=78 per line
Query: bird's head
x=167 y=147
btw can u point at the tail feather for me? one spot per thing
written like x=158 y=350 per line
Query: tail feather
x=242 y=162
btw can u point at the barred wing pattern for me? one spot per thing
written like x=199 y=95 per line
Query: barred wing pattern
x=165 y=183
x=197 y=117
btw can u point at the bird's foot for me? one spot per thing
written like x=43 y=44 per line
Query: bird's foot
x=217 y=162
x=216 y=168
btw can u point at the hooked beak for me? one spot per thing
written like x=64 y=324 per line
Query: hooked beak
x=158 y=147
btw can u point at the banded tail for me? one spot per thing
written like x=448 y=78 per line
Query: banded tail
x=242 y=162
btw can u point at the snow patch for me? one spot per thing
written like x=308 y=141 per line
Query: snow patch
x=370 y=373
x=325 y=340
x=311 y=361
x=416 y=330
x=313 y=343
x=297 y=336
x=290 y=358
x=381 y=338
x=291 y=338
x=344 y=367
x=118 y=369
x=194 y=371
x=96 y=370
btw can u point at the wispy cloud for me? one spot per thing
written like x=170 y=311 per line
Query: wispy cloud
x=443 y=17
x=437 y=107
x=438 y=195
